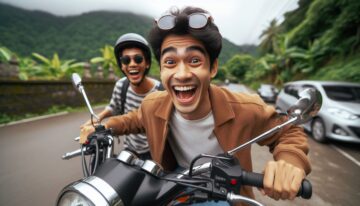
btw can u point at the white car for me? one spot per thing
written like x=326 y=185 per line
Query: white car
x=339 y=116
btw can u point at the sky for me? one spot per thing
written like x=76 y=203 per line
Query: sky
x=240 y=21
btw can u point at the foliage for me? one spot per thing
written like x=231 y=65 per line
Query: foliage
x=239 y=64
x=80 y=36
x=107 y=60
x=307 y=42
x=295 y=17
x=155 y=68
x=55 y=68
x=340 y=70
x=222 y=74
x=5 y=54
x=270 y=35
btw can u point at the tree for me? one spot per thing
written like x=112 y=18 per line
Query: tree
x=239 y=64
x=269 y=35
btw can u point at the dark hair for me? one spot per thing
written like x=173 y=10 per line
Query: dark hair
x=209 y=36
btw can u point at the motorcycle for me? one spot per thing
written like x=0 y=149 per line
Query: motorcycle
x=128 y=180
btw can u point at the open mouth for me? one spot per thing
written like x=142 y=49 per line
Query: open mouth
x=185 y=94
x=134 y=72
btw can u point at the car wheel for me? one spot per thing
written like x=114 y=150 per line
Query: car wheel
x=318 y=130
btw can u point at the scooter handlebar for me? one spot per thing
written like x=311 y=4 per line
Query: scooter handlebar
x=73 y=154
x=256 y=180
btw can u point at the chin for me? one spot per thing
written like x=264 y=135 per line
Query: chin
x=186 y=109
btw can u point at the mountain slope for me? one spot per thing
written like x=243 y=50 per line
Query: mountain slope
x=75 y=37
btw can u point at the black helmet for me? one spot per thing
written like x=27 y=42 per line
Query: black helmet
x=131 y=40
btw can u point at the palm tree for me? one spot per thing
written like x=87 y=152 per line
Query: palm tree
x=269 y=35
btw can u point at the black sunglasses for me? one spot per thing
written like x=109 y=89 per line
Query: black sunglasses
x=196 y=21
x=138 y=59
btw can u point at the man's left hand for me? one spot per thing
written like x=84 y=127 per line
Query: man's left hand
x=282 y=180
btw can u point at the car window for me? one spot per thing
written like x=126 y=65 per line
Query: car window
x=343 y=93
x=292 y=90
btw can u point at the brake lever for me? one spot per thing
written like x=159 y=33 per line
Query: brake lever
x=234 y=198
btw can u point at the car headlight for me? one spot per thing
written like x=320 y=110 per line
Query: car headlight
x=342 y=113
x=74 y=199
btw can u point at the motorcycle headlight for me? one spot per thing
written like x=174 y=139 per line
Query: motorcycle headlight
x=90 y=191
x=342 y=113
x=74 y=199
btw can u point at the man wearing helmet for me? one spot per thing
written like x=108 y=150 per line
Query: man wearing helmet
x=133 y=56
x=195 y=117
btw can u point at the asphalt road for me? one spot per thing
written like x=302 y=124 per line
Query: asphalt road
x=32 y=172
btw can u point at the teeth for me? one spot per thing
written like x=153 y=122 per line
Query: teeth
x=133 y=71
x=184 y=88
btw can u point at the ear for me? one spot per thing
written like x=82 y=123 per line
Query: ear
x=214 y=68
x=147 y=64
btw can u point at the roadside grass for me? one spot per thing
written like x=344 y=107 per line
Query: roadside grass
x=5 y=119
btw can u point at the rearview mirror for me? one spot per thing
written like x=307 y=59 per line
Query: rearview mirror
x=307 y=106
x=76 y=80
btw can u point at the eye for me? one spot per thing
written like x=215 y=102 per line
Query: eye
x=169 y=61
x=195 y=61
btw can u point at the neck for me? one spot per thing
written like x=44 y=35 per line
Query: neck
x=144 y=87
x=201 y=111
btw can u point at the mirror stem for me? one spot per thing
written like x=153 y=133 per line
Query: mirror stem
x=263 y=135
x=82 y=91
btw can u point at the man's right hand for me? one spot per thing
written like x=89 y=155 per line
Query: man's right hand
x=85 y=132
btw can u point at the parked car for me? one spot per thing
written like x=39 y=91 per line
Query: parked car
x=339 y=116
x=268 y=92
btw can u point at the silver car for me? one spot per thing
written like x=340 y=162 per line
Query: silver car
x=268 y=92
x=339 y=116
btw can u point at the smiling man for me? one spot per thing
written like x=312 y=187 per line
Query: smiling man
x=133 y=56
x=193 y=116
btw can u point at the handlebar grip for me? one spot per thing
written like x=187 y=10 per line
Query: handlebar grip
x=73 y=154
x=256 y=180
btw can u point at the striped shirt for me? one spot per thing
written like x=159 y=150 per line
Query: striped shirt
x=135 y=142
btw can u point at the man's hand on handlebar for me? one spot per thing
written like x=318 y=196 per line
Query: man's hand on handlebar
x=85 y=132
x=282 y=180
x=88 y=123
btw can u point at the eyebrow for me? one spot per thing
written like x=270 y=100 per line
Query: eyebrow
x=168 y=49
x=196 y=48
x=190 y=48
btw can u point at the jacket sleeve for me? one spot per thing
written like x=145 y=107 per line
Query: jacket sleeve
x=127 y=123
x=289 y=144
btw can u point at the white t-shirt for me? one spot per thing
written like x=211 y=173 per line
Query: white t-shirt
x=190 y=138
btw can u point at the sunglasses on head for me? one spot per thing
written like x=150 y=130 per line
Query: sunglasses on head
x=138 y=59
x=196 y=21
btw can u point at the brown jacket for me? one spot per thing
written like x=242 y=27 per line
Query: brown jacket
x=238 y=118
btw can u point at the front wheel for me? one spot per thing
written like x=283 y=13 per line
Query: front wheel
x=318 y=130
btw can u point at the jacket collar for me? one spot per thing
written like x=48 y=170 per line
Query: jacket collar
x=221 y=108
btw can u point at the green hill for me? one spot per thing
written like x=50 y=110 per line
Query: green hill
x=76 y=37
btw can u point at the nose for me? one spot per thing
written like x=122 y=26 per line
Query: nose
x=183 y=72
